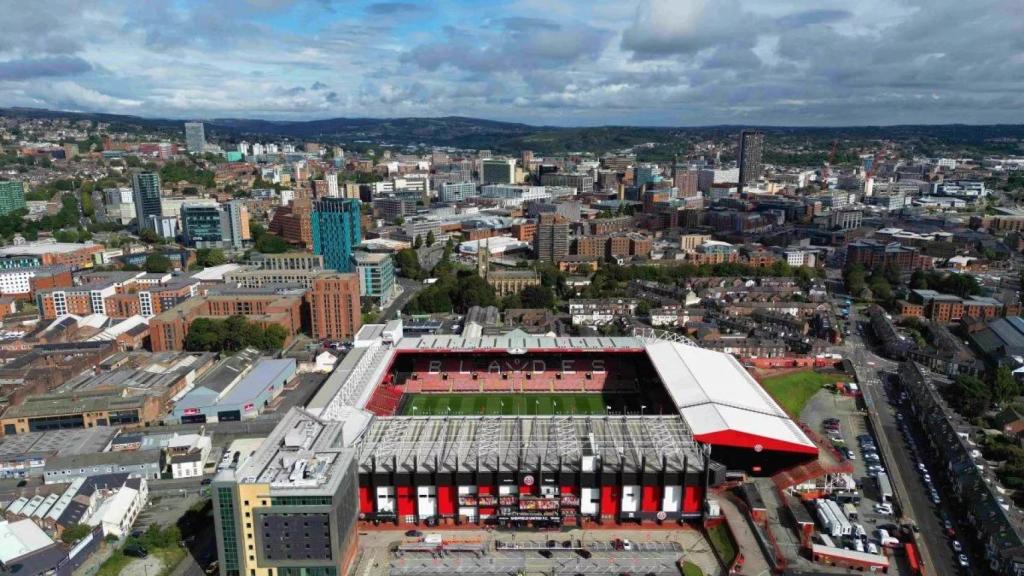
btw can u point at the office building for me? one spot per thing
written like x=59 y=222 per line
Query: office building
x=201 y=225
x=235 y=223
x=457 y=191
x=551 y=243
x=646 y=174
x=336 y=231
x=294 y=222
x=394 y=207
x=288 y=261
x=195 y=137
x=376 y=276
x=146 y=192
x=119 y=204
x=498 y=171
x=750 y=163
x=334 y=306
x=291 y=509
x=12 y=196
x=580 y=182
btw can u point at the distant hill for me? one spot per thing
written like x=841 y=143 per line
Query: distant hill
x=476 y=133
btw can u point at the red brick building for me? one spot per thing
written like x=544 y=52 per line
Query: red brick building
x=334 y=308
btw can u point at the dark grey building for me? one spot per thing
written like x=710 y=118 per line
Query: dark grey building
x=146 y=192
x=750 y=161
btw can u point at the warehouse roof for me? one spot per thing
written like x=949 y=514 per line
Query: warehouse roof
x=258 y=379
x=20 y=538
x=124 y=458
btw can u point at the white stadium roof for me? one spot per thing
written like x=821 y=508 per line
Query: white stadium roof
x=718 y=399
x=721 y=401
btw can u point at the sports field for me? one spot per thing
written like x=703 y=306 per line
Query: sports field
x=504 y=404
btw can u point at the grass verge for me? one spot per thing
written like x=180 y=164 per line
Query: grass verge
x=691 y=569
x=792 y=391
x=721 y=541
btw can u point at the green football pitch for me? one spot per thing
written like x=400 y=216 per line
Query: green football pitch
x=505 y=404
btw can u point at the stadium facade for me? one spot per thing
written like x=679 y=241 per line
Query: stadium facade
x=673 y=418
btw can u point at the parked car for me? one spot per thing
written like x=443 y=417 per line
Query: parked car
x=136 y=551
x=957 y=546
x=962 y=559
x=948 y=526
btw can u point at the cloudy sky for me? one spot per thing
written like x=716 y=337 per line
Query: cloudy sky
x=563 y=62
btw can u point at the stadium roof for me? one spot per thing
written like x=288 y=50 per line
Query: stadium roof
x=718 y=400
x=721 y=401
x=505 y=443
x=519 y=341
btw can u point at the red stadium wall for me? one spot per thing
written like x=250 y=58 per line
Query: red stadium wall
x=447 y=500
x=650 y=500
x=692 y=498
x=405 y=496
x=366 y=503
x=610 y=498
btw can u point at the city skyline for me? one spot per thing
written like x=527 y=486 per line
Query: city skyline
x=648 y=62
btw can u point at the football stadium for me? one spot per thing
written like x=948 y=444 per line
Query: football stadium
x=512 y=431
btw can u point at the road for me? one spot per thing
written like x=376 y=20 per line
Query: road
x=409 y=289
x=910 y=491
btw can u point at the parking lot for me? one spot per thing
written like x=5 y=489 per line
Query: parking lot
x=872 y=511
x=480 y=552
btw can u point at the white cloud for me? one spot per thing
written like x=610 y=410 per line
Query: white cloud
x=74 y=95
x=543 y=61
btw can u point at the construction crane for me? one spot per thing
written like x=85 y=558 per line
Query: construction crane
x=869 y=175
x=825 y=171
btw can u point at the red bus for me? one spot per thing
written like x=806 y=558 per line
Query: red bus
x=913 y=560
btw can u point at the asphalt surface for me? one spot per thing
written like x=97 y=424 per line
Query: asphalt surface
x=910 y=490
x=409 y=289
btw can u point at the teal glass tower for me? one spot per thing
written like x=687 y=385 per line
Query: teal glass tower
x=336 y=232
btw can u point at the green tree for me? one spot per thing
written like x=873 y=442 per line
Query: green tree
x=207 y=257
x=919 y=280
x=969 y=395
x=232 y=334
x=538 y=297
x=418 y=242
x=511 y=301
x=643 y=308
x=881 y=289
x=408 y=264
x=157 y=263
x=399 y=220
x=781 y=268
x=855 y=279
x=75 y=532
x=1004 y=386
x=892 y=273
x=472 y=290
x=87 y=208
x=271 y=244
x=430 y=238
x=149 y=236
